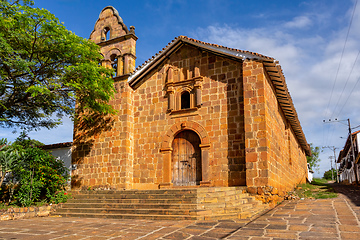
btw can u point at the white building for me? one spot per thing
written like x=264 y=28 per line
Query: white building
x=349 y=170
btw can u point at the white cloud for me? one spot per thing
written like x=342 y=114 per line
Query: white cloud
x=310 y=60
x=299 y=22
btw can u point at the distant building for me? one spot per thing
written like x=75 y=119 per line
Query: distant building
x=196 y=114
x=349 y=170
x=310 y=173
x=61 y=151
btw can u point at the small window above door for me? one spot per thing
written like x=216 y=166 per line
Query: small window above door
x=185 y=100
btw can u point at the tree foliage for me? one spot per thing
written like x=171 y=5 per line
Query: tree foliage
x=314 y=159
x=41 y=176
x=35 y=174
x=8 y=160
x=45 y=69
x=330 y=174
x=24 y=141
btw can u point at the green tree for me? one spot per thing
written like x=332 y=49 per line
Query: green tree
x=8 y=160
x=41 y=176
x=314 y=159
x=45 y=69
x=24 y=141
x=330 y=174
x=36 y=175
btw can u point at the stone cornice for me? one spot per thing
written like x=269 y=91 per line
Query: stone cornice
x=118 y=39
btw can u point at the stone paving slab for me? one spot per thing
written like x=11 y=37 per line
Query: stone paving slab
x=326 y=219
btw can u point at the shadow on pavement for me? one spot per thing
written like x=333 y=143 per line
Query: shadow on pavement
x=351 y=191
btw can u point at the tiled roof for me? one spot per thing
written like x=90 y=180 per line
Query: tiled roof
x=346 y=148
x=270 y=64
x=57 y=145
x=215 y=47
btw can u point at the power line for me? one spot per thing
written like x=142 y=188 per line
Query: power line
x=332 y=125
x=355 y=127
x=342 y=55
x=352 y=90
x=347 y=80
x=338 y=69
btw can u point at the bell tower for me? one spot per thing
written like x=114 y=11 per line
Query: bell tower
x=105 y=157
x=118 y=44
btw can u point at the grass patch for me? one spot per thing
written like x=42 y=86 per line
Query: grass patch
x=318 y=189
x=6 y=206
x=317 y=181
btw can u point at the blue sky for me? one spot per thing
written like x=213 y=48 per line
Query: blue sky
x=307 y=37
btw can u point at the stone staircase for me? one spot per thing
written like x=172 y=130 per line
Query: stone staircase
x=211 y=203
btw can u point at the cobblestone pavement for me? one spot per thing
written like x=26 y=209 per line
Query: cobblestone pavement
x=304 y=219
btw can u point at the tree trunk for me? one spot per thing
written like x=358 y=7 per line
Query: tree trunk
x=2 y=179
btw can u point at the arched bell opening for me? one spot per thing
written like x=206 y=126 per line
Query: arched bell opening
x=106 y=34
x=114 y=64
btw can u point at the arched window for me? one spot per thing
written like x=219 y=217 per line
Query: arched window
x=114 y=64
x=185 y=100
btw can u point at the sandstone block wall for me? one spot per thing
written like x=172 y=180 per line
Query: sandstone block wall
x=221 y=115
x=104 y=146
x=104 y=150
x=127 y=154
x=274 y=157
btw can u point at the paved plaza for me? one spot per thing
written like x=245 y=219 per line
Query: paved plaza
x=336 y=218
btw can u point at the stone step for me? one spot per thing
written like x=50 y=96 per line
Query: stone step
x=220 y=194
x=141 y=211
x=159 y=217
x=220 y=202
x=154 y=191
x=167 y=204
x=162 y=198
x=131 y=205
x=171 y=195
x=132 y=216
x=221 y=189
x=215 y=199
x=134 y=196
x=159 y=210
x=163 y=191
x=134 y=201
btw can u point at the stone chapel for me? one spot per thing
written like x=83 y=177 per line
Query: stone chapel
x=194 y=115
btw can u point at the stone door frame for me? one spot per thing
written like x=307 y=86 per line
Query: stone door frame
x=186 y=159
x=166 y=150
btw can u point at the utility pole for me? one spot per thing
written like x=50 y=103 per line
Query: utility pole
x=331 y=169
x=352 y=145
x=337 y=174
x=334 y=148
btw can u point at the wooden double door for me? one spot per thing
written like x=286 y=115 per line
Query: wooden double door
x=186 y=159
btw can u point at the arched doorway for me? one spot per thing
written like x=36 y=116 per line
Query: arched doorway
x=186 y=159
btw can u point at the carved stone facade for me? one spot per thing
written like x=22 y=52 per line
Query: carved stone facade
x=195 y=114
